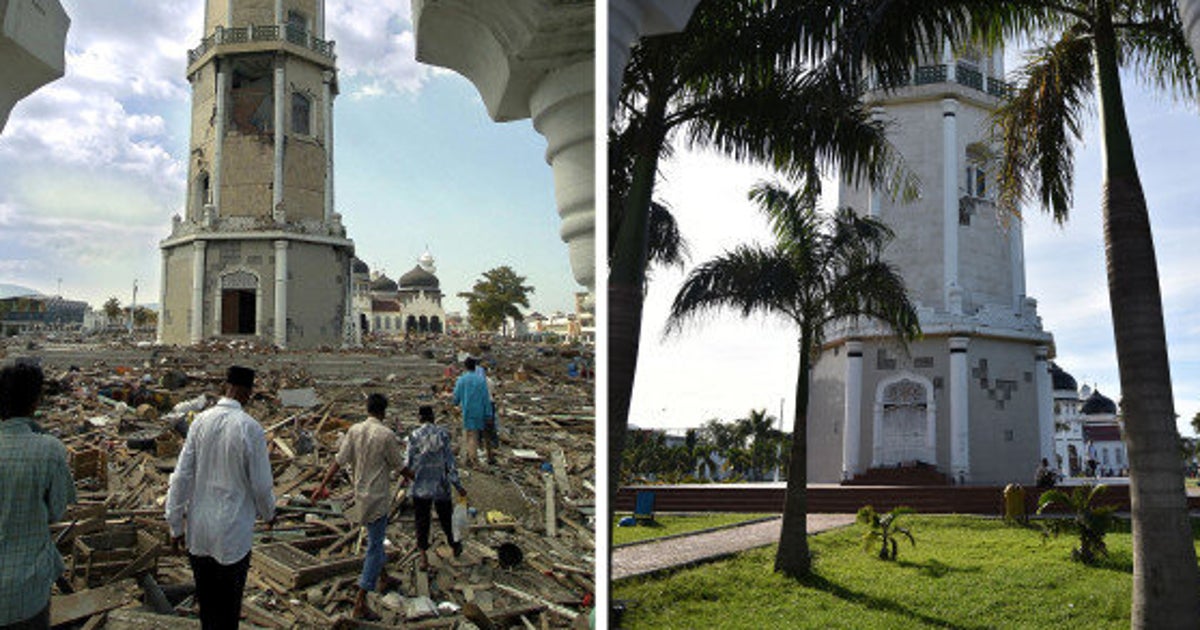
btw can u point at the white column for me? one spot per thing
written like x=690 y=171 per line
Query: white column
x=162 y=300
x=960 y=463
x=852 y=427
x=279 y=11
x=948 y=61
x=222 y=124
x=328 y=95
x=563 y=110
x=1045 y=404
x=320 y=27
x=281 y=293
x=629 y=20
x=950 y=204
x=277 y=210
x=229 y=15
x=1016 y=241
x=259 y=316
x=197 y=328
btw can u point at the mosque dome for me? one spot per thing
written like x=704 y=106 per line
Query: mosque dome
x=426 y=262
x=1062 y=380
x=361 y=267
x=383 y=284
x=419 y=278
x=1099 y=404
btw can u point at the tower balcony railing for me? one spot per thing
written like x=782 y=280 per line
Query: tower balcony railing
x=964 y=75
x=269 y=33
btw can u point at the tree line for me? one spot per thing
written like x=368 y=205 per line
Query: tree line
x=746 y=449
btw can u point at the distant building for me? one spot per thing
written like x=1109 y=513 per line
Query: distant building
x=41 y=312
x=1086 y=423
x=412 y=305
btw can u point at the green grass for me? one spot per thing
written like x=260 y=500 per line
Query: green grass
x=668 y=524
x=964 y=572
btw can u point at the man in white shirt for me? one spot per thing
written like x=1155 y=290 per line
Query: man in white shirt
x=221 y=482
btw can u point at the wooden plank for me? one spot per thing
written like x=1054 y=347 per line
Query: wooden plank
x=84 y=604
x=551 y=508
x=559 y=460
x=561 y=610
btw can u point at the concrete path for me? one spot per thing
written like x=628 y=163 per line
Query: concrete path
x=640 y=559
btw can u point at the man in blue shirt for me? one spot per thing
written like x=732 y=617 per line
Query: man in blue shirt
x=471 y=395
x=429 y=464
x=35 y=492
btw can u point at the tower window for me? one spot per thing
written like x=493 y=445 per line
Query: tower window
x=301 y=114
x=297 y=28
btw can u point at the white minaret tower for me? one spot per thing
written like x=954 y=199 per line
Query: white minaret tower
x=261 y=252
x=967 y=400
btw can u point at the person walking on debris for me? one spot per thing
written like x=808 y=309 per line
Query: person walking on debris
x=372 y=451
x=471 y=395
x=221 y=481
x=35 y=492
x=429 y=464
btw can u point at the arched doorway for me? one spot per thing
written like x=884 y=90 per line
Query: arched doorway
x=424 y=324
x=410 y=324
x=435 y=324
x=905 y=432
x=239 y=303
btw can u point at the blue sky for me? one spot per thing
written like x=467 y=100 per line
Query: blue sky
x=727 y=366
x=92 y=166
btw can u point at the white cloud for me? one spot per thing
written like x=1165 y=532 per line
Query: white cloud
x=376 y=47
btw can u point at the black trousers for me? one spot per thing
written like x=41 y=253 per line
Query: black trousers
x=444 y=511
x=219 y=591
x=40 y=621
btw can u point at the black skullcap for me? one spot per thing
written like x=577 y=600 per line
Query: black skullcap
x=425 y=412
x=238 y=375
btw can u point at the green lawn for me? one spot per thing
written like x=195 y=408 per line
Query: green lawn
x=668 y=524
x=965 y=572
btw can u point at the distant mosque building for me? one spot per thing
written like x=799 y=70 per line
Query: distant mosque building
x=1087 y=426
x=971 y=400
x=260 y=252
x=390 y=308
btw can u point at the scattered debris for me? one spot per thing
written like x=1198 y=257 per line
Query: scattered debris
x=123 y=410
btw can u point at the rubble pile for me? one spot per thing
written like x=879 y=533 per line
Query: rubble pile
x=122 y=408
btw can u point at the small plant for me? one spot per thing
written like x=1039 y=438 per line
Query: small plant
x=884 y=529
x=1090 y=522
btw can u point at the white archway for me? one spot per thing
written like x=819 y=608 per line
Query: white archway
x=905 y=428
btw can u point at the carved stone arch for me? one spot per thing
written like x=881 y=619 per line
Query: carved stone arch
x=905 y=427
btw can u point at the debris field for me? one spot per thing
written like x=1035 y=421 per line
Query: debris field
x=122 y=409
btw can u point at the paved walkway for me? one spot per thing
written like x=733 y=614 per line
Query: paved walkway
x=634 y=560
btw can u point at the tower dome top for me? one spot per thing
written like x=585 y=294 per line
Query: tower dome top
x=426 y=262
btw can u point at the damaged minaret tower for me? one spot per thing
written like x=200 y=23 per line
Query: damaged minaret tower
x=260 y=253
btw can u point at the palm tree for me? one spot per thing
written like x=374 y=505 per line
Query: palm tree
x=1088 y=42
x=1038 y=126
x=717 y=85
x=820 y=269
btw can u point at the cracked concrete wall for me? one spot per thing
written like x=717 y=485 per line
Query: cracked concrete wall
x=176 y=307
x=315 y=315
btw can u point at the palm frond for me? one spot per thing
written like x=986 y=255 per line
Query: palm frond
x=747 y=279
x=1153 y=43
x=666 y=246
x=1038 y=126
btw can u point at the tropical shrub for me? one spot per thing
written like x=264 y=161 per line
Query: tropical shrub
x=883 y=528
x=1090 y=521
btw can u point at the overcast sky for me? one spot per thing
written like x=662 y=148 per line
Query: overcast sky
x=92 y=167
x=726 y=366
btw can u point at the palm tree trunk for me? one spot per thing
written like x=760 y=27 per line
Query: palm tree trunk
x=1165 y=579
x=792 y=559
x=626 y=280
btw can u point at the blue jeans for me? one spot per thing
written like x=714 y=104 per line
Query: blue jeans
x=373 y=564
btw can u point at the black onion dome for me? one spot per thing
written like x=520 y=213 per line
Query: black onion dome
x=1061 y=379
x=1098 y=403
x=361 y=267
x=418 y=278
x=383 y=283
